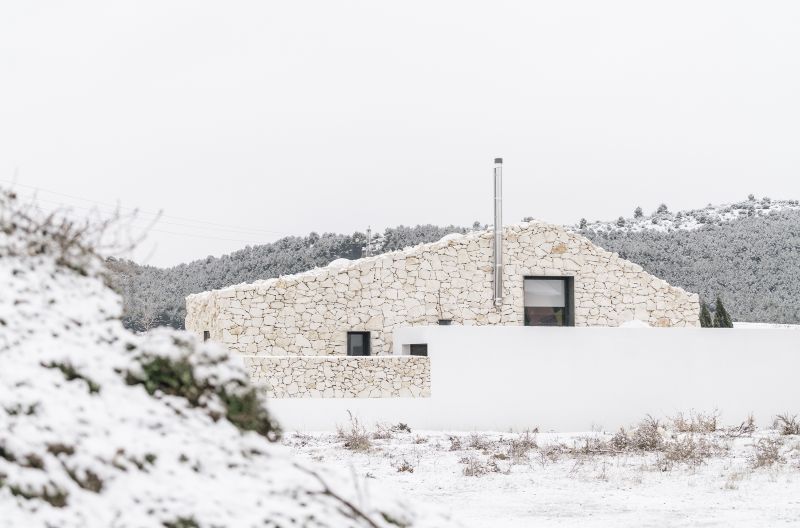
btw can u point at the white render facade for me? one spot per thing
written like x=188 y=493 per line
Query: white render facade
x=311 y=313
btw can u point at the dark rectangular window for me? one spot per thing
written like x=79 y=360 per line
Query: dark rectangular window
x=358 y=343
x=206 y=335
x=418 y=350
x=549 y=301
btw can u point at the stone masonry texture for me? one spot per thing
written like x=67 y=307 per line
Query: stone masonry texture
x=309 y=314
x=342 y=377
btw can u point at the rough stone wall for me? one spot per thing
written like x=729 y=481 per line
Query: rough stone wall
x=203 y=314
x=310 y=313
x=342 y=377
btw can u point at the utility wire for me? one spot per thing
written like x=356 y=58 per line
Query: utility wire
x=158 y=221
x=143 y=211
x=153 y=229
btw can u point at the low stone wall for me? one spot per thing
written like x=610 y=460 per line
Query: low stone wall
x=342 y=377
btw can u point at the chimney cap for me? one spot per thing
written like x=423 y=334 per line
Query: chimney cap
x=498 y=160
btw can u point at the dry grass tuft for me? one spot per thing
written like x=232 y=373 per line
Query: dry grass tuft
x=401 y=428
x=767 y=453
x=647 y=436
x=479 y=442
x=746 y=428
x=787 y=425
x=383 y=432
x=519 y=447
x=688 y=450
x=455 y=443
x=696 y=422
x=355 y=436
x=552 y=453
x=475 y=466
x=405 y=467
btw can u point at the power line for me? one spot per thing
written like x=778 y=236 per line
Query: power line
x=143 y=211
x=193 y=235
x=158 y=220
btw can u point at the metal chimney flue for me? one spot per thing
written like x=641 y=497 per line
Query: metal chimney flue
x=498 y=231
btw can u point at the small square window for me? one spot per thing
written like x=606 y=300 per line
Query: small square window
x=358 y=344
x=418 y=350
x=206 y=335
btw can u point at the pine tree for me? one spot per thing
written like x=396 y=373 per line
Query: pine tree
x=705 y=316
x=638 y=213
x=721 y=317
x=621 y=222
x=582 y=224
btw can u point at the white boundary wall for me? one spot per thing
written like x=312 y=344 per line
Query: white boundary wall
x=570 y=379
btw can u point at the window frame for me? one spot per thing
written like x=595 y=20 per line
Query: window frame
x=367 y=343
x=421 y=349
x=569 y=296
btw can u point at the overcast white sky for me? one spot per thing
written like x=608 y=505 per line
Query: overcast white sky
x=286 y=117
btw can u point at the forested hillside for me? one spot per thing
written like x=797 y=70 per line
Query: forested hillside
x=752 y=263
x=748 y=253
x=155 y=296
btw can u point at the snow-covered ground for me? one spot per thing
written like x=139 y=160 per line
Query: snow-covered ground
x=549 y=479
x=664 y=220
x=765 y=325
x=100 y=427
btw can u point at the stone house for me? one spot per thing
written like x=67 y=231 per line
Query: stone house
x=551 y=277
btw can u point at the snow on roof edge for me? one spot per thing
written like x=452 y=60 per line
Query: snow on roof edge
x=339 y=267
x=449 y=239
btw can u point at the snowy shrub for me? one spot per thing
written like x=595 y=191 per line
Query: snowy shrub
x=787 y=425
x=688 y=449
x=405 y=467
x=621 y=441
x=382 y=432
x=475 y=466
x=520 y=446
x=647 y=436
x=746 y=428
x=100 y=427
x=401 y=428
x=478 y=441
x=696 y=422
x=592 y=445
x=767 y=452
x=354 y=436
x=455 y=443
x=552 y=453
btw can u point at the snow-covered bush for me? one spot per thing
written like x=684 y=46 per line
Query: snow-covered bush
x=101 y=427
x=767 y=452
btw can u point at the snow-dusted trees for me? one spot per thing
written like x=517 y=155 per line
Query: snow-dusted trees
x=750 y=262
x=705 y=316
x=155 y=296
x=721 y=317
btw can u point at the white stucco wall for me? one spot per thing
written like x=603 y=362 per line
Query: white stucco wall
x=569 y=379
x=310 y=313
